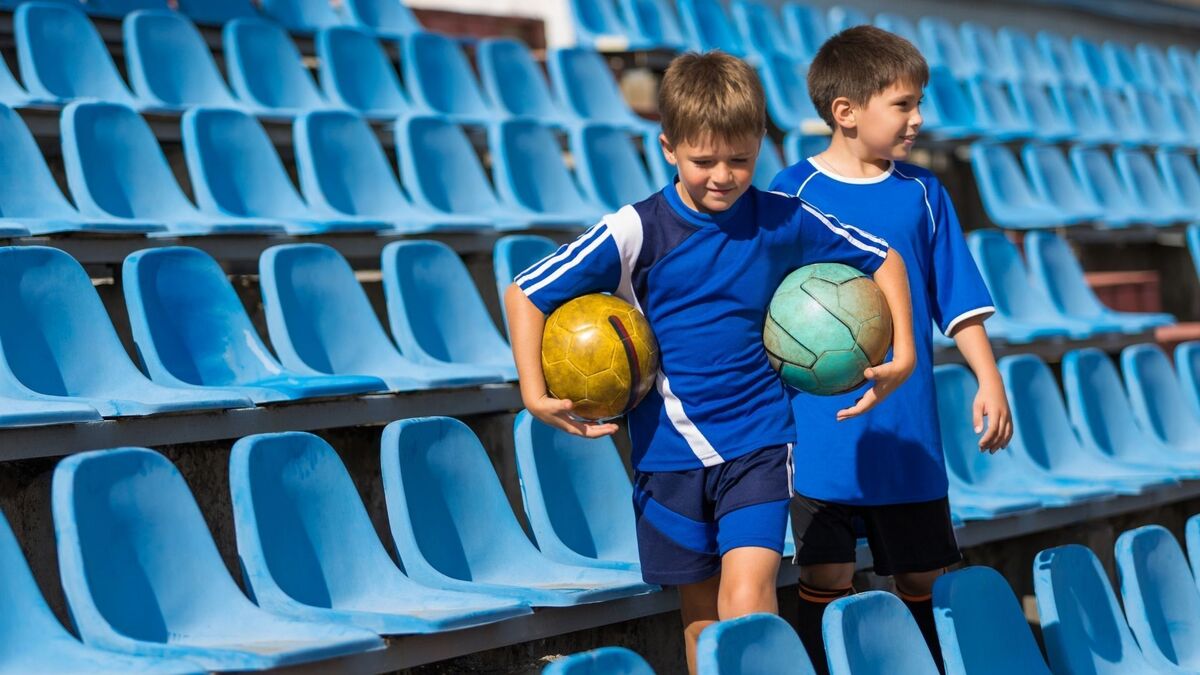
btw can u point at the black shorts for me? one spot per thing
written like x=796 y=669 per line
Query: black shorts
x=916 y=537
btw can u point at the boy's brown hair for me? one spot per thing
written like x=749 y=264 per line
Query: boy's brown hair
x=711 y=95
x=859 y=63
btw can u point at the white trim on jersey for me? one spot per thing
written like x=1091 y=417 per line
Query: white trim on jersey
x=544 y=264
x=970 y=314
x=854 y=241
x=700 y=446
x=925 y=190
x=853 y=181
x=812 y=175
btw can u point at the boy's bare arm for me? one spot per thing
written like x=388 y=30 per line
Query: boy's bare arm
x=892 y=279
x=991 y=401
x=525 y=325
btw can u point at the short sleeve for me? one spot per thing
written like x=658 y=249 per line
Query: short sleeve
x=590 y=264
x=823 y=238
x=956 y=289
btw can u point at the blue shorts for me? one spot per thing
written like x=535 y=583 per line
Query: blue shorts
x=687 y=520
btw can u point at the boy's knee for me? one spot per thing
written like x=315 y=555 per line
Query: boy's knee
x=747 y=596
x=917 y=584
x=828 y=577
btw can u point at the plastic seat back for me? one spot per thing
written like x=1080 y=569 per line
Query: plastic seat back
x=389 y=18
x=1087 y=114
x=440 y=79
x=62 y=57
x=1007 y=279
x=435 y=311
x=995 y=108
x=440 y=168
x=216 y=12
x=709 y=27
x=1099 y=405
x=805 y=26
x=1082 y=624
x=305 y=16
x=852 y=626
x=941 y=45
x=1155 y=67
x=1180 y=177
x=841 y=17
x=1183 y=109
x=1161 y=600
x=1093 y=61
x=980 y=45
x=514 y=254
x=655 y=22
x=608 y=166
x=265 y=68
x=755 y=644
x=1042 y=427
x=1158 y=399
x=1124 y=114
x=1156 y=116
x=1026 y=56
x=343 y=168
x=529 y=172
x=28 y=190
x=514 y=81
x=586 y=85
x=1145 y=183
x=598 y=24
x=981 y=626
x=1008 y=197
x=1056 y=270
x=1057 y=52
x=577 y=495
x=1045 y=112
x=1187 y=365
x=788 y=102
x=950 y=103
x=759 y=27
x=900 y=25
x=169 y=64
x=602 y=661
x=1183 y=60
x=1056 y=182
x=1097 y=173
x=357 y=73
x=1122 y=66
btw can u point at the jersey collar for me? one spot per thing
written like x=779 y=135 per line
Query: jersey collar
x=853 y=181
x=702 y=219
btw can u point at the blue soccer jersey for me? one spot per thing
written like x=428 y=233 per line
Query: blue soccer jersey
x=704 y=283
x=893 y=454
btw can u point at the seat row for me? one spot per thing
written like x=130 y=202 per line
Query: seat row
x=143 y=578
x=389 y=18
x=981 y=626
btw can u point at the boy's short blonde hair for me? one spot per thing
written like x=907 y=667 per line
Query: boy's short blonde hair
x=711 y=95
x=859 y=63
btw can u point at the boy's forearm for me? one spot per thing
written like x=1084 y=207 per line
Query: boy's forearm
x=525 y=325
x=892 y=279
x=972 y=341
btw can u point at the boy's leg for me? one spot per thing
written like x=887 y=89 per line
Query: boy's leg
x=698 y=608
x=825 y=551
x=916 y=590
x=748 y=577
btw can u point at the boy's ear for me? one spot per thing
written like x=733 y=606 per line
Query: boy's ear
x=844 y=112
x=668 y=150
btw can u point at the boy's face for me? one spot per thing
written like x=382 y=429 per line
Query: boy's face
x=713 y=172
x=888 y=124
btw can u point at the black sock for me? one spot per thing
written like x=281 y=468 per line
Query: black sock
x=921 y=607
x=813 y=602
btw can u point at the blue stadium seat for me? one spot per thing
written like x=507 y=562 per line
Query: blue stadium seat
x=265 y=69
x=761 y=31
x=303 y=16
x=11 y=91
x=444 y=176
x=1123 y=67
x=516 y=83
x=769 y=164
x=948 y=112
x=1003 y=475
x=169 y=64
x=798 y=147
x=1026 y=56
x=941 y=46
x=1186 y=112
x=192 y=332
x=30 y=200
x=1145 y=184
x=454 y=529
x=841 y=17
x=1192 y=537
x=1181 y=178
x=1008 y=197
x=900 y=25
x=1043 y=433
x=852 y=626
x=142 y=574
x=655 y=22
x=1192 y=237
x=1124 y=115
x=385 y=18
x=1160 y=402
x=751 y=645
x=1091 y=59
x=996 y=110
x=662 y=172
x=1046 y=114
x=1100 y=412
x=1162 y=125
x=60 y=346
x=435 y=312
x=577 y=496
x=785 y=81
x=598 y=26
x=602 y=661
x=514 y=254
x=1056 y=182
x=1099 y=177
x=1058 y=54
x=357 y=73
x=1082 y=624
x=981 y=626
x=1187 y=364
x=309 y=552
x=587 y=88
x=530 y=175
x=805 y=26
x=708 y=27
x=115 y=9
x=1086 y=113
x=116 y=170
x=236 y=173
x=1162 y=603
x=440 y=80
x=216 y=12
x=343 y=170
x=35 y=642
x=321 y=322
x=1187 y=70
x=1054 y=269
x=1155 y=67
x=62 y=57
x=980 y=45
x=608 y=166
x=16 y=411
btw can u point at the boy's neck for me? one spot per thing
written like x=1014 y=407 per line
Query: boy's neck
x=847 y=157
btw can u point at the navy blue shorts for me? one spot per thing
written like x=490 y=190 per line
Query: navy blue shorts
x=687 y=520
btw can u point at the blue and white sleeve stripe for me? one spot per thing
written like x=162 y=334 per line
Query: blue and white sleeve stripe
x=590 y=264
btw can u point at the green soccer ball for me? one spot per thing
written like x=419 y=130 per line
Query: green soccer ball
x=827 y=323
